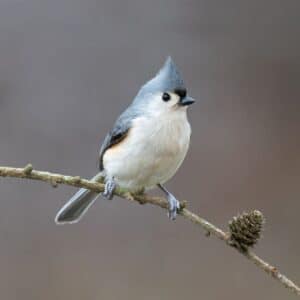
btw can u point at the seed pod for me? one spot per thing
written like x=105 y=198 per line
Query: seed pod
x=246 y=229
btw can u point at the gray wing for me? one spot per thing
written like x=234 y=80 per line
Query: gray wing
x=118 y=133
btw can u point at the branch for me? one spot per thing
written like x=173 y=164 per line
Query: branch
x=56 y=179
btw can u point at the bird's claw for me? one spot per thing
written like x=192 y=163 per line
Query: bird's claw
x=109 y=188
x=174 y=206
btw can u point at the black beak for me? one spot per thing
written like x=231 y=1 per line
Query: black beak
x=186 y=101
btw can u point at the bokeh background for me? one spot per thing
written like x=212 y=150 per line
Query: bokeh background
x=67 y=70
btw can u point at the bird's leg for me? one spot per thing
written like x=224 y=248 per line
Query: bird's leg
x=110 y=186
x=174 y=204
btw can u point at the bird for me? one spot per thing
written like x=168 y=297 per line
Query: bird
x=145 y=147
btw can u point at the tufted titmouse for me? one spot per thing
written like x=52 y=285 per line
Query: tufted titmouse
x=146 y=145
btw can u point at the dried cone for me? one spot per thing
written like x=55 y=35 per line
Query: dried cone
x=246 y=229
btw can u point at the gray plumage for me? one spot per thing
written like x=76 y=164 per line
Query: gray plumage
x=76 y=207
x=168 y=78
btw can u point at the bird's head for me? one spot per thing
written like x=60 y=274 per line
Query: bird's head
x=165 y=92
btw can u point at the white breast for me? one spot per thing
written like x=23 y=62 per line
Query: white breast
x=151 y=153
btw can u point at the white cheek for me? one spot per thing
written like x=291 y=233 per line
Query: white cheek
x=158 y=106
x=174 y=100
x=155 y=105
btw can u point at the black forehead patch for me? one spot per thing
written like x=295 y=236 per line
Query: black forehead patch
x=180 y=92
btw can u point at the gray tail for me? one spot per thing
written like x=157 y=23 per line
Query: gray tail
x=77 y=206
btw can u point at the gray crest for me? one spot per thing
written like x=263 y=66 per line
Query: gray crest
x=167 y=79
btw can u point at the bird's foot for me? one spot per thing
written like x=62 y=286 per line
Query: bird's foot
x=109 y=189
x=174 y=206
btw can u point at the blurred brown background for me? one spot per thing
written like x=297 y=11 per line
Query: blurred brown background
x=69 y=67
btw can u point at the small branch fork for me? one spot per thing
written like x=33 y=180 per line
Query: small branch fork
x=55 y=179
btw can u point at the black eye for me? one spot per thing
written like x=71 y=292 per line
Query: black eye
x=166 y=97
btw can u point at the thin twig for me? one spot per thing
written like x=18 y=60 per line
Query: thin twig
x=56 y=179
